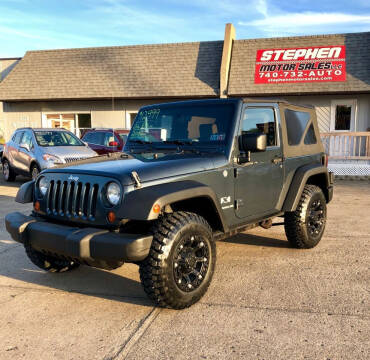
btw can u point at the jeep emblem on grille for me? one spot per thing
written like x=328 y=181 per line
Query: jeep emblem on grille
x=73 y=178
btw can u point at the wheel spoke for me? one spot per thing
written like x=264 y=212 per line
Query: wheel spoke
x=190 y=263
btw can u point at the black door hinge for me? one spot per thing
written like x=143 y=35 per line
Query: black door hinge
x=238 y=203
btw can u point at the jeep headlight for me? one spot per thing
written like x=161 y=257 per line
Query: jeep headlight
x=113 y=193
x=43 y=186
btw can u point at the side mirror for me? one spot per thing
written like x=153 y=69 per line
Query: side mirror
x=113 y=143
x=25 y=146
x=253 y=142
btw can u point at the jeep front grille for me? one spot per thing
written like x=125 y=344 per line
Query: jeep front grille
x=72 y=199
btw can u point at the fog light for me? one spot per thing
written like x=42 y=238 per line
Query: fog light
x=37 y=206
x=111 y=217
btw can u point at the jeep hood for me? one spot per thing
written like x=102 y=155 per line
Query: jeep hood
x=147 y=166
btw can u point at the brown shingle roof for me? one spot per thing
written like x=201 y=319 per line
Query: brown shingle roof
x=143 y=71
x=241 y=81
x=173 y=70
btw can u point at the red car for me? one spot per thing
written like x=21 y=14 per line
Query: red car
x=105 y=141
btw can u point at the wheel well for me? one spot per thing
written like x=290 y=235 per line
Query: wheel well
x=34 y=162
x=202 y=206
x=320 y=181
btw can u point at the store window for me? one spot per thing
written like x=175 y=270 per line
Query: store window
x=76 y=123
x=83 y=123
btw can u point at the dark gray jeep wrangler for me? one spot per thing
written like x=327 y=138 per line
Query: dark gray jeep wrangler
x=191 y=173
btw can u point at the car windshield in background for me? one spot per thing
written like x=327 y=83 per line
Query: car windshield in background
x=197 y=124
x=57 y=138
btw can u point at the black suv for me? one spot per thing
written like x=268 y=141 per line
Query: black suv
x=192 y=172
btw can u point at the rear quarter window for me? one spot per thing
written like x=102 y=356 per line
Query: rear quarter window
x=296 y=124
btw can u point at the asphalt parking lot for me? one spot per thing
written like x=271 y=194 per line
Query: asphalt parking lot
x=267 y=300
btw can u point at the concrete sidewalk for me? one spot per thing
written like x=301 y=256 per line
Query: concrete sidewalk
x=267 y=300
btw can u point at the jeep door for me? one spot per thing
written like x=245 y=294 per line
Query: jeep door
x=258 y=183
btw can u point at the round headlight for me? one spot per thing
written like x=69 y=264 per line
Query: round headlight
x=43 y=186
x=113 y=193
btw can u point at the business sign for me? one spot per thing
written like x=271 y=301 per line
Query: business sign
x=296 y=65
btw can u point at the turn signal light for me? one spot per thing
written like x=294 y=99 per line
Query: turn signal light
x=111 y=217
x=37 y=206
x=156 y=208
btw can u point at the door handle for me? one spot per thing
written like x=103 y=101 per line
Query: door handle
x=277 y=160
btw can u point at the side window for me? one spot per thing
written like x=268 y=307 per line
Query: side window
x=96 y=138
x=260 y=120
x=310 y=137
x=88 y=137
x=27 y=139
x=18 y=136
x=296 y=123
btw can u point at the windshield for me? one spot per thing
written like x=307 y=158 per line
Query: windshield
x=57 y=138
x=199 y=124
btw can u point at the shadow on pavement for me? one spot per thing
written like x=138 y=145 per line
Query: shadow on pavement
x=84 y=280
x=20 y=180
x=250 y=239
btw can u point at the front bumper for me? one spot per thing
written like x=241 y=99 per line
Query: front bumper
x=91 y=246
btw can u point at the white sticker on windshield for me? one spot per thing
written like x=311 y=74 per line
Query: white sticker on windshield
x=217 y=137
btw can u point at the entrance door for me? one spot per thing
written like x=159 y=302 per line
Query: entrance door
x=259 y=182
x=343 y=115
x=343 y=119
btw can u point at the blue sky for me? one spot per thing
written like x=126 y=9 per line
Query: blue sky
x=49 y=24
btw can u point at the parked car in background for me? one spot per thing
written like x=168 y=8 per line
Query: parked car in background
x=105 y=141
x=32 y=150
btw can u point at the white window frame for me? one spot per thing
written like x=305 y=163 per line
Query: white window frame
x=348 y=102
x=128 y=118
x=76 y=128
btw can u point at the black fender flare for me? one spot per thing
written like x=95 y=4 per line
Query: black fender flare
x=300 y=180
x=25 y=193
x=138 y=204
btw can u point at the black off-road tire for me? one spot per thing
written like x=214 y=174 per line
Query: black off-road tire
x=305 y=226
x=180 y=239
x=8 y=172
x=49 y=263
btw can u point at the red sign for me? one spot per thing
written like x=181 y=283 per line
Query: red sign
x=295 y=65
